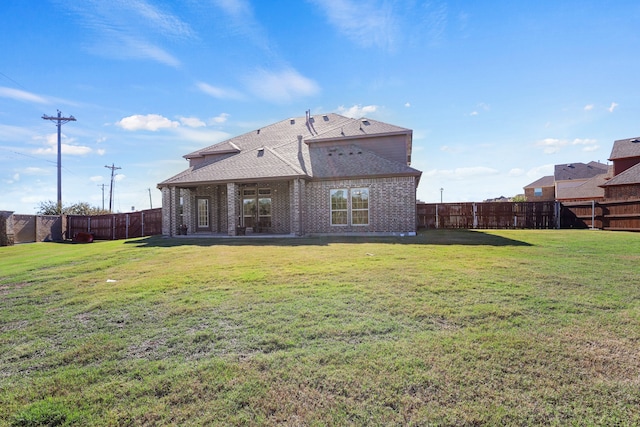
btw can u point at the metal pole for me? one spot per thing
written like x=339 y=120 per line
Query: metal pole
x=59 y=122
x=441 y=190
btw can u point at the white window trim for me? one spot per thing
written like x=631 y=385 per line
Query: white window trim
x=349 y=211
x=331 y=210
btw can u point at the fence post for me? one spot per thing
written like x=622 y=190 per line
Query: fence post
x=142 y=223
x=475 y=215
x=437 y=222
x=593 y=214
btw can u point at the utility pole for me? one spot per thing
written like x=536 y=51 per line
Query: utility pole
x=102 y=185
x=150 y=202
x=60 y=121
x=113 y=169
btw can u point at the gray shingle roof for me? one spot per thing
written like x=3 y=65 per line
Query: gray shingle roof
x=353 y=161
x=579 y=171
x=630 y=176
x=624 y=148
x=545 y=181
x=590 y=189
x=275 y=151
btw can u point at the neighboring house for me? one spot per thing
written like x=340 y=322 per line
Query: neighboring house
x=318 y=174
x=573 y=181
x=542 y=190
x=570 y=182
x=625 y=184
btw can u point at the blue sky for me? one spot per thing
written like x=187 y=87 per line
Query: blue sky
x=496 y=92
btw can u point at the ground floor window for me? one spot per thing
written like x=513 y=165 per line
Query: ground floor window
x=349 y=204
x=360 y=206
x=339 y=206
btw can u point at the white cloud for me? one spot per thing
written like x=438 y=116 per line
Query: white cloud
x=357 y=111
x=612 y=107
x=101 y=151
x=281 y=86
x=201 y=136
x=588 y=107
x=219 y=119
x=218 y=92
x=366 y=23
x=480 y=107
x=407 y=105
x=125 y=29
x=66 y=146
x=516 y=172
x=21 y=95
x=119 y=177
x=35 y=171
x=151 y=122
x=463 y=173
x=553 y=145
x=192 y=122
x=449 y=149
x=541 y=171
x=96 y=178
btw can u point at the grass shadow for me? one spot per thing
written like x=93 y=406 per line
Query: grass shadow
x=425 y=237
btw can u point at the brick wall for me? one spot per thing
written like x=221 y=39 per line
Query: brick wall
x=622 y=192
x=548 y=194
x=392 y=205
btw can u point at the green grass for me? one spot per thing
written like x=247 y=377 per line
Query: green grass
x=446 y=328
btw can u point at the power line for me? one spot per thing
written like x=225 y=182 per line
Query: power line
x=10 y=79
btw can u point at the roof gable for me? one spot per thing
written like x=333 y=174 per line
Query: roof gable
x=625 y=148
x=545 y=181
x=628 y=177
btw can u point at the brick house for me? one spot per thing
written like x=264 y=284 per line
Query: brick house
x=541 y=190
x=317 y=174
x=570 y=182
x=625 y=184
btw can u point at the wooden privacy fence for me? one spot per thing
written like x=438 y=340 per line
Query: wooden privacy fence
x=488 y=215
x=117 y=226
x=621 y=215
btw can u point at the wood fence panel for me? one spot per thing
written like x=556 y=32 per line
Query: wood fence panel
x=118 y=226
x=152 y=222
x=487 y=215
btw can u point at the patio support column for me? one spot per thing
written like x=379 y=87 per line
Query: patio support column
x=169 y=211
x=296 y=207
x=231 y=208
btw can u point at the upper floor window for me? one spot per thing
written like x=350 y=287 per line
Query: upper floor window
x=537 y=192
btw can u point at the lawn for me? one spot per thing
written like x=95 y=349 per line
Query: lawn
x=446 y=328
